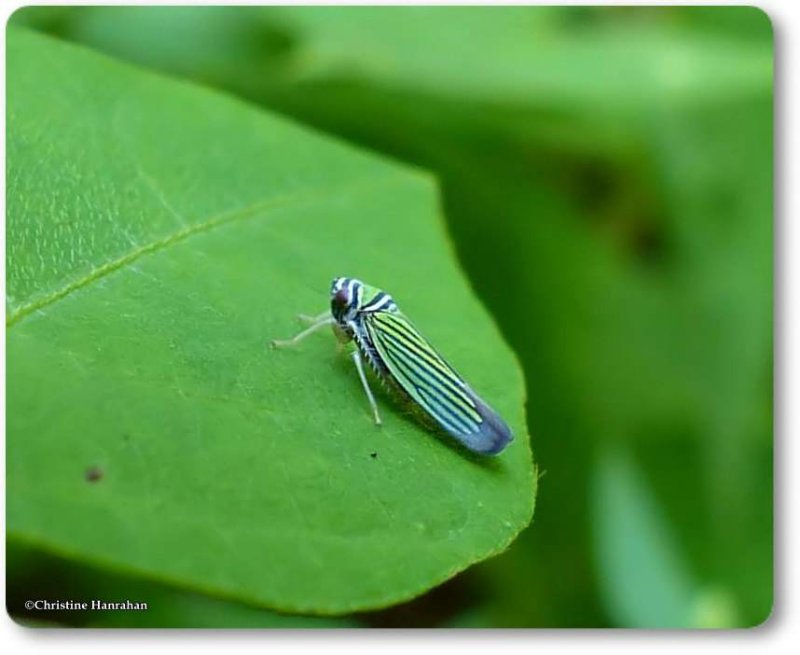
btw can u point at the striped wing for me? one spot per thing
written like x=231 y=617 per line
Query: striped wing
x=433 y=384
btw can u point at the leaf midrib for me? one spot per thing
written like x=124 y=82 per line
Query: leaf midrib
x=223 y=218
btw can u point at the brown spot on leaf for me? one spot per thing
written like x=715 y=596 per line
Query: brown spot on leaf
x=93 y=474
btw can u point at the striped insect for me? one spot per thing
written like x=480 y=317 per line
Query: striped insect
x=407 y=363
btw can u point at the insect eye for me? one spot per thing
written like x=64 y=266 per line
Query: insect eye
x=340 y=298
x=340 y=302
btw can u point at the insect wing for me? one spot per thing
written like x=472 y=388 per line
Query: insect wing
x=433 y=384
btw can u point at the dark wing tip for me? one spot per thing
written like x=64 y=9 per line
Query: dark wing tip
x=493 y=436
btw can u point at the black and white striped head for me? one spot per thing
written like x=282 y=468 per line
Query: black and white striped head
x=350 y=297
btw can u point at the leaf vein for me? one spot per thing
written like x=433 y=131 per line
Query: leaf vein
x=223 y=218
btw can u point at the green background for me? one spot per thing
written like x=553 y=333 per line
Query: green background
x=606 y=178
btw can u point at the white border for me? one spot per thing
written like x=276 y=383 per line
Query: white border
x=776 y=636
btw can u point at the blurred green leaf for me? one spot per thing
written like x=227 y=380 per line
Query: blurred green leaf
x=207 y=43
x=641 y=570
x=158 y=235
x=520 y=56
x=509 y=55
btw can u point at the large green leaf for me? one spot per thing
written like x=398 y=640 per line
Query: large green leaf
x=158 y=235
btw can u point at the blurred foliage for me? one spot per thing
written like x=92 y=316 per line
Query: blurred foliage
x=607 y=179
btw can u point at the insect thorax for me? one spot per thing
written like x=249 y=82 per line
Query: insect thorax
x=358 y=333
x=343 y=334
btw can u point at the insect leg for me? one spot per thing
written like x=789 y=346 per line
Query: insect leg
x=314 y=319
x=280 y=343
x=362 y=375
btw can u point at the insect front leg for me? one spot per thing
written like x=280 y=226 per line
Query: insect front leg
x=282 y=343
x=314 y=319
x=360 y=367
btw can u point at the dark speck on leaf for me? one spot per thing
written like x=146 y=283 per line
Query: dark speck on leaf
x=374 y=455
x=93 y=474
